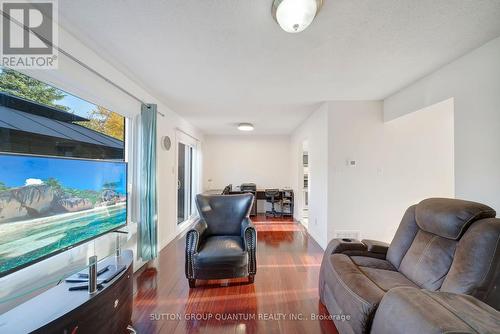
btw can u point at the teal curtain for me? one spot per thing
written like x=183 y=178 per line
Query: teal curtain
x=148 y=215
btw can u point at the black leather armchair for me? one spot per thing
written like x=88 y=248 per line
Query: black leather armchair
x=222 y=243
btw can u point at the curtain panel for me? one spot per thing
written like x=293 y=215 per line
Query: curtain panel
x=146 y=164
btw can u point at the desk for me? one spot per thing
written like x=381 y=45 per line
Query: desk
x=260 y=194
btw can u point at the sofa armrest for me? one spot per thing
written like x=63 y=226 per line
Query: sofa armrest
x=354 y=247
x=193 y=240
x=343 y=245
x=375 y=246
x=412 y=311
x=249 y=236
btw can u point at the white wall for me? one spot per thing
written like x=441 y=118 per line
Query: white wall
x=398 y=164
x=355 y=132
x=263 y=160
x=315 y=130
x=473 y=81
x=418 y=161
x=167 y=176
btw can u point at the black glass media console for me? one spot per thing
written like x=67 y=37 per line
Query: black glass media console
x=59 y=310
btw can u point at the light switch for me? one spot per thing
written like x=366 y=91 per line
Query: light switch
x=351 y=163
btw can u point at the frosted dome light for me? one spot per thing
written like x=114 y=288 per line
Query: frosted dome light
x=294 y=16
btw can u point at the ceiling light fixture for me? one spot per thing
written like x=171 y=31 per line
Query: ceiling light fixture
x=245 y=127
x=295 y=15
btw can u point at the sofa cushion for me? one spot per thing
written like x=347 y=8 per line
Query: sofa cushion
x=478 y=315
x=387 y=279
x=413 y=311
x=428 y=260
x=371 y=262
x=354 y=292
x=449 y=218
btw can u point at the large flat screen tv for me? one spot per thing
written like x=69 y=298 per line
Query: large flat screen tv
x=48 y=205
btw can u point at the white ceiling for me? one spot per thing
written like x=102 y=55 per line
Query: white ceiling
x=219 y=62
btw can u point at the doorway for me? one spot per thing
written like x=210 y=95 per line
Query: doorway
x=304 y=181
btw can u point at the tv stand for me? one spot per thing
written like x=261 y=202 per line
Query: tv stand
x=105 y=274
x=58 y=310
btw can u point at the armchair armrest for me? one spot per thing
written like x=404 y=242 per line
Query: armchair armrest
x=249 y=236
x=248 y=230
x=374 y=246
x=196 y=234
x=193 y=238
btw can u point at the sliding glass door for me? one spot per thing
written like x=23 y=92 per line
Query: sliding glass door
x=186 y=177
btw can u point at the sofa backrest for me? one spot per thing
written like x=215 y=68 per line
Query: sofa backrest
x=475 y=267
x=432 y=240
x=224 y=213
x=403 y=238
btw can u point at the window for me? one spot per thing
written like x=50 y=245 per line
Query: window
x=36 y=118
x=186 y=177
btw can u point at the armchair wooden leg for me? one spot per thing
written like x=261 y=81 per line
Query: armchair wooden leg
x=192 y=283
x=251 y=278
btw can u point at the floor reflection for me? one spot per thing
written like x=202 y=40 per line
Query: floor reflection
x=281 y=300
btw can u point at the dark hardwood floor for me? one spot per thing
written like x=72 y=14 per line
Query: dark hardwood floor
x=285 y=290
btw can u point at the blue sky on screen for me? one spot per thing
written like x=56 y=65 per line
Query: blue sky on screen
x=71 y=173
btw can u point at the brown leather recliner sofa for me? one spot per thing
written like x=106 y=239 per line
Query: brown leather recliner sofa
x=442 y=264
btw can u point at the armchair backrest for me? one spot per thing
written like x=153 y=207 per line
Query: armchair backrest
x=224 y=213
x=449 y=245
